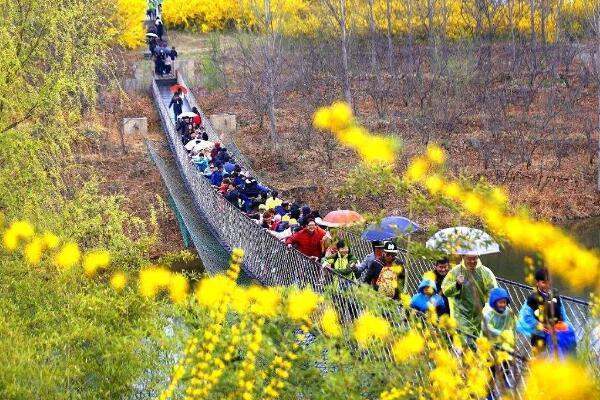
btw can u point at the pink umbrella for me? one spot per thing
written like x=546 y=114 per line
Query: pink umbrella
x=342 y=218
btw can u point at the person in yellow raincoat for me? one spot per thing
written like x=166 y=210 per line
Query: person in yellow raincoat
x=468 y=287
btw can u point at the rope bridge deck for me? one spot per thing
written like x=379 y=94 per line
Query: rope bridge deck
x=271 y=262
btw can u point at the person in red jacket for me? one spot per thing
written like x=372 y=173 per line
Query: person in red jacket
x=308 y=240
x=196 y=119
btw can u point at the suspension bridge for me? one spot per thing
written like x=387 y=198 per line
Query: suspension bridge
x=215 y=227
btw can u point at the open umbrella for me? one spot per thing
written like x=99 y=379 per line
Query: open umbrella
x=342 y=218
x=400 y=224
x=187 y=114
x=175 y=88
x=377 y=233
x=463 y=241
x=150 y=34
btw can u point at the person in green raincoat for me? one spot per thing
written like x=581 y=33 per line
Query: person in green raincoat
x=468 y=287
x=342 y=261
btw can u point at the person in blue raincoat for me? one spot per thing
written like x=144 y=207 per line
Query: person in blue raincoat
x=427 y=298
x=498 y=326
x=543 y=319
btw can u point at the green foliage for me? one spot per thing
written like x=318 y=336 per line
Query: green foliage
x=62 y=336
x=65 y=337
x=213 y=77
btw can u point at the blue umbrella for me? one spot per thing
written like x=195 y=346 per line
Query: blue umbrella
x=400 y=224
x=377 y=233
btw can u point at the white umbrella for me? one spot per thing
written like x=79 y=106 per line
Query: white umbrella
x=463 y=241
x=187 y=114
x=203 y=145
x=150 y=34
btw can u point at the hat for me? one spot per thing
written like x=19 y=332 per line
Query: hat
x=497 y=294
x=390 y=247
x=541 y=275
x=377 y=244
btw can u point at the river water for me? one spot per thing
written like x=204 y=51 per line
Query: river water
x=509 y=263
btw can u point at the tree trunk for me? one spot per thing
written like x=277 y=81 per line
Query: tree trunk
x=269 y=59
x=375 y=73
x=345 y=67
x=513 y=47
x=597 y=58
x=431 y=35
x=533 y=38
x=390 y=43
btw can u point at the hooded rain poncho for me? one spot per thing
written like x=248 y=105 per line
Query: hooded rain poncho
x=467 y=300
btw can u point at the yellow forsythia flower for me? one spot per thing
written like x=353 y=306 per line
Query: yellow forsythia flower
x=129 y=20
x=68 y=256
x=152 y=280
x=22 y=229
x=559 y=380
x=405 y=300
x=417 y=169
x=118 y=281
x=240 y=301
x=483 y=345
x=211 y=292
x=33 y=251
x=434 y=184
x=302 y=303
x=330 y=323
x=408 y=346
x=94 y=261
x=178 y=288
x=369 y=327
x=265 y=301
x=17 y=231
x=237 y=255
x=51 y=241
x=429 y=275
x=436 y=154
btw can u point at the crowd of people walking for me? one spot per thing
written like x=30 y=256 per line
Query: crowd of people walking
x=164 y=56
x=467 y=291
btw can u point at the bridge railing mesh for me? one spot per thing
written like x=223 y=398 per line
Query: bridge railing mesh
x=271 y=262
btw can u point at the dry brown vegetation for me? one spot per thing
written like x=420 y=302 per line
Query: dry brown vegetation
x=523 y=119
x=129 y=171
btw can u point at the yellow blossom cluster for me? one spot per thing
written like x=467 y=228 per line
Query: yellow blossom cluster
x=447 y=375
x=369 y=328
x=396 y=393
x=551 y=379
x=68 y=256
x=128 y=21
x=301 y=304
x=17 y=232
x=208 y=369
x=409 y=345
x=330 y=323
x=153 y=280
x=65 y=257
x=281 y=366
x=246 y=374
x=118 y=281
x=578 y=266
x=94 y=261
x=180 y=368
x=339 y=119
